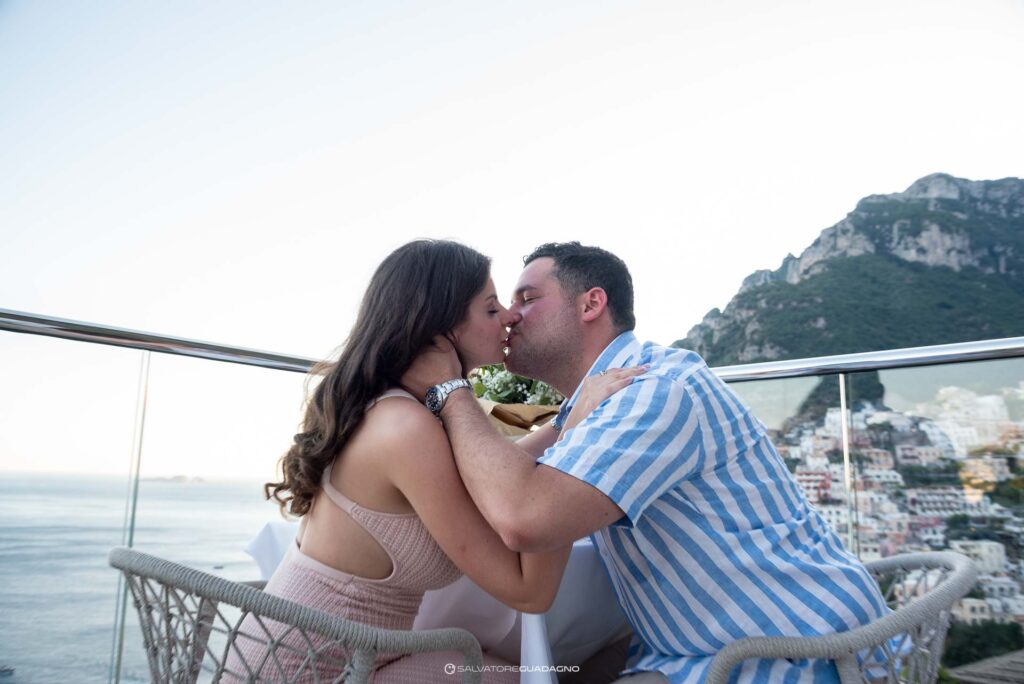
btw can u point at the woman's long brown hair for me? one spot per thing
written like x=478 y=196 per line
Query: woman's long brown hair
x=419 y=291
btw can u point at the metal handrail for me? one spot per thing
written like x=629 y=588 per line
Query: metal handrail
x=35 y=324
x=983 y=350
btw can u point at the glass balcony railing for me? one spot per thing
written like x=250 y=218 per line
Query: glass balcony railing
x=66 y=408
x=108 y=444
x=105 y=445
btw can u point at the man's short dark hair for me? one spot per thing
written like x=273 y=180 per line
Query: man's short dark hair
x=580 y=267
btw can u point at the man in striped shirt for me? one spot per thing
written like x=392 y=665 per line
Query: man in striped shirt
x=705 y=536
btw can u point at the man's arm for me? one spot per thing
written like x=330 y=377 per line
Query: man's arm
x=533 y=507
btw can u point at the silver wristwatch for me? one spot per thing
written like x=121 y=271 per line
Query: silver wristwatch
x=438 y=394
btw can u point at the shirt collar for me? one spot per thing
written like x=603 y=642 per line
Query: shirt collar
x=616 y=355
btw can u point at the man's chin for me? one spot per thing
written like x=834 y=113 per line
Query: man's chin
x=512 y=366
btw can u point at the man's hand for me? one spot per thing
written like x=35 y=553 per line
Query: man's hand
x=435 y=364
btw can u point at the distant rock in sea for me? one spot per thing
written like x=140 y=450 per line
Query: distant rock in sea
x=178 y=479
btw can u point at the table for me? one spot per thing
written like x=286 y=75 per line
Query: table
x=584 y=617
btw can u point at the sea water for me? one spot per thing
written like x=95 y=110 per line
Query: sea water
x=58 y=595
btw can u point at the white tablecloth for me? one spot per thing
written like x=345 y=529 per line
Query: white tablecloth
x=584 y=617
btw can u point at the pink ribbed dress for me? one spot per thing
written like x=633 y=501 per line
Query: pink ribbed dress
x=418 y=565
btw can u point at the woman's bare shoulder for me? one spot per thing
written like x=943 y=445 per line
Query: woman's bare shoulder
x=401 y=421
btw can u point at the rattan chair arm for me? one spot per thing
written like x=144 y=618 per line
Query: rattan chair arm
x=355 y=634
x=963 y=576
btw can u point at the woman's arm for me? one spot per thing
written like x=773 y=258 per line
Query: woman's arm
x=417 y=458
x=595 y=390
x=537 y=441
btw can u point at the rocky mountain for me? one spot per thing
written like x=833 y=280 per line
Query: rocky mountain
x=940 y=262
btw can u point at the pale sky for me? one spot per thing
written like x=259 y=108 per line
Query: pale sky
x=234 y=171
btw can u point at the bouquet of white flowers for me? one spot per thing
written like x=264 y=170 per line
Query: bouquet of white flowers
x=497 y=384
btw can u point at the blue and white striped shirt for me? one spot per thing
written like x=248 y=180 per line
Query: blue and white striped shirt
x=718 y=541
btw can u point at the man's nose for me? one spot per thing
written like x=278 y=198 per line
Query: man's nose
x=510 y=317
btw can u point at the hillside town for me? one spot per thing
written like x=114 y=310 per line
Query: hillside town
x=945 y=475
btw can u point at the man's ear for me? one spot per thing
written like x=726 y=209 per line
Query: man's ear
x=594 y=302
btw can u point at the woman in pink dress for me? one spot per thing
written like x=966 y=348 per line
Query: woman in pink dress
x=385 y=516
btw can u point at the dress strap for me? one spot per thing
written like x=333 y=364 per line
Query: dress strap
x=340 y=500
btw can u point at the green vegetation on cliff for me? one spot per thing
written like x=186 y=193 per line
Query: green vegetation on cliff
x=871 y=302
x=941 y=262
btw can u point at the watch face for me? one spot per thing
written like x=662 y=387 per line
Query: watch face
x=433 y=401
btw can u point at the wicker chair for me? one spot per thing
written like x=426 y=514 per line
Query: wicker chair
x=190 y=622
x=920 y=587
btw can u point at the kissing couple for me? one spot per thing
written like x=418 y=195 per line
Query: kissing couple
x=403 y=485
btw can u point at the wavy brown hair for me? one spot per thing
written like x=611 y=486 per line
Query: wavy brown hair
x=421 y=290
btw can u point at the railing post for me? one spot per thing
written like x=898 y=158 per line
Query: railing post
x=847 y=470
x=131 y=505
